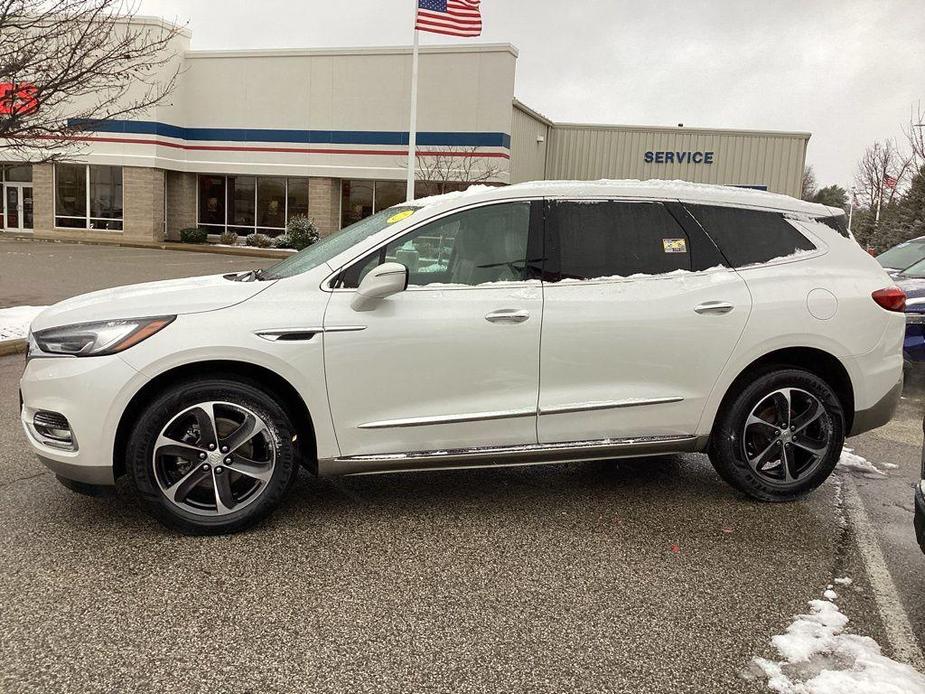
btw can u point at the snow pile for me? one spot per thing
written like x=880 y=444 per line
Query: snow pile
x=14 y=322
x=820 y=658
x=850 y=462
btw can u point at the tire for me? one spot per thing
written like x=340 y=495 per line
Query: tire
x=749 y=442
x=224 y=434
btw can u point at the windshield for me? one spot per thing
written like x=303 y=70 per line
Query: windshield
x=917 y=270
x=336 y=243
x=903 y=255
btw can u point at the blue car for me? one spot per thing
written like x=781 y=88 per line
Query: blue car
x=912 y=281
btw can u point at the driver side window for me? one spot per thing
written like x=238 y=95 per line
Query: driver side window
x=485 y=244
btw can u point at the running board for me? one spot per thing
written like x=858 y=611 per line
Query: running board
x=499 y=456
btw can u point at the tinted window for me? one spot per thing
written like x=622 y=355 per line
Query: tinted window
x=902 y=256
x=486 y=244
x=589 y=240
x=836 y=222
x=748 y=237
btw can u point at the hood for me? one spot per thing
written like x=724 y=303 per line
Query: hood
x=915 y=292
x=169 y=297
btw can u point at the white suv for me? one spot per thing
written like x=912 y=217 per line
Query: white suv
x=535 y=323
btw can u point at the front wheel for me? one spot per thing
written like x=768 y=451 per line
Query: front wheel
x=780 y=436
x=212 y=456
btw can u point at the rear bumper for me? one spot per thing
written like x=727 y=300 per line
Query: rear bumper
x=878 y=415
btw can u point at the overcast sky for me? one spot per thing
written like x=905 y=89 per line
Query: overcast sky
x=845 y=70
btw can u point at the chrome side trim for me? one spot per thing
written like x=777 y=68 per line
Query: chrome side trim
x=447 y=419
x=286 y=334
x=529 y=454
x=607 y=405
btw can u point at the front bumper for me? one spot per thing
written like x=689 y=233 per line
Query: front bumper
x=92 y=393
x=914 y=341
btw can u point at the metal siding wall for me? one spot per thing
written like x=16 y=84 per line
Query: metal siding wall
x=528 y=157
x=774 y=160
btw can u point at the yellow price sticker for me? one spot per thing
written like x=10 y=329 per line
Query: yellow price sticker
x=398 y=216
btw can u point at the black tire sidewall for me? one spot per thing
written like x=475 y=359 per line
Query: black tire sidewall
x=725 y=442
x=162 y=409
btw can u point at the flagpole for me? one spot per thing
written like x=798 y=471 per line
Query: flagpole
x=413 y=128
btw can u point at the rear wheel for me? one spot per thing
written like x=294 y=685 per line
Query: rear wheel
x=212 y=456
x=780 y=436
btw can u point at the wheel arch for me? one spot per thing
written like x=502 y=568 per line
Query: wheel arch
x=817 y=361
x=266 y=378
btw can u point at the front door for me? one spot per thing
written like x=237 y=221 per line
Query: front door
x=17 y=207
x=452 y=362
x=640 y=317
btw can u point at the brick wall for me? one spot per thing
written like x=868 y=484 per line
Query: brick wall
x=181 y=203
x=143 y=204
x=324 y=203
x=43 y=198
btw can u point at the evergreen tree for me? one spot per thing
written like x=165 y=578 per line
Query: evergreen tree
x=911 y=209
x=833 y=196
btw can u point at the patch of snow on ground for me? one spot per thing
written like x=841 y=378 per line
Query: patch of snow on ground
x=850 y=462
x=820 y=658
x=843 y=581
x=15 y=321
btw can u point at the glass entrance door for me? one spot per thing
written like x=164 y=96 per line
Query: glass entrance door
x=18 y=213
x=11 y=197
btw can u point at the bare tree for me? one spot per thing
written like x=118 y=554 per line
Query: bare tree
x=881 y=173
x=914 y=130
x=67 y=65
x=453 y=168
x=808 y=189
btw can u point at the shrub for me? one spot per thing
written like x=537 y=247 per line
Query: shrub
x=283 y=241
x=229 y=238
x=258 y=240
x=302 y=231
x=193 y=235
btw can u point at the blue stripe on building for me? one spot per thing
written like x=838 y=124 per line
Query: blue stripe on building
x=332 y=137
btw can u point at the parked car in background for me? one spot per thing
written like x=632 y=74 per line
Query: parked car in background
x=912 y=282
x=902 y=256
x=535 y=323
x=920 y=500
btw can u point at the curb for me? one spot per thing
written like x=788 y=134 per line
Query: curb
x=246 y=251
x=17 y=346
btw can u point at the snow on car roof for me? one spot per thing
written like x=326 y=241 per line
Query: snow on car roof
x=658 y=189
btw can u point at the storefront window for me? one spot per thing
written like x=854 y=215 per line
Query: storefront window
x=212 y=201
x=248 y=204
x=357 y=201
x=80 y=189
x=298 y=197
x=105 y=197
x=389 y=193
x=271 y=203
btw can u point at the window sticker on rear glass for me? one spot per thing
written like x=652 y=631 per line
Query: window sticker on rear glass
x=674 y=245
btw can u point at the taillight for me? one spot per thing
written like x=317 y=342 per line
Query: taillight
x=891 y=298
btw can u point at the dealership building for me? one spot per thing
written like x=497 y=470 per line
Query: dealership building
x=251 y=138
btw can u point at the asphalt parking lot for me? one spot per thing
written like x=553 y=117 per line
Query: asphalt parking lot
x=648 y=575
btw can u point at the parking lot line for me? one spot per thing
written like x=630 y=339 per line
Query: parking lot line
x=896 y=622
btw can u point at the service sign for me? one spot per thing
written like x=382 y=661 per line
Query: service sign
x=678 y=157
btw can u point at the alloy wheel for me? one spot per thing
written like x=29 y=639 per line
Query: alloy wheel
x=786 y=436
x=214 y=458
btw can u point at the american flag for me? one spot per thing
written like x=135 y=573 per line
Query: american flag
x=450 y=17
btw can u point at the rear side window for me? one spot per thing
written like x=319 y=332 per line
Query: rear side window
x=836 y=222
x=750 y=237
x=590 y=240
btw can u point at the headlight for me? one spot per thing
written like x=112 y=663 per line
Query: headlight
x=97 y=339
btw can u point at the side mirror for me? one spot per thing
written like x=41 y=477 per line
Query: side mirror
x=380 y=282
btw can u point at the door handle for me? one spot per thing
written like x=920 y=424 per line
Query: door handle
x=714 y=307
x=507 y=315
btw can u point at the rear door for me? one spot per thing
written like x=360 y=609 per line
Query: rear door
x=640 y=316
